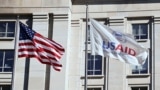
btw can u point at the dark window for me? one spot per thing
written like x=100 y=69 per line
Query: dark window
x=140 y=69
x=5 y=87
x=7 y=29
x=140 y=31
x=139 y=88
x=6 y=60
x=94 y=64
x=94 y=89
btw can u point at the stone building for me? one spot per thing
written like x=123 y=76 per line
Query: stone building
x=65 y=20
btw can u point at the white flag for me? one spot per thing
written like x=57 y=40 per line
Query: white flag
x=107 y=42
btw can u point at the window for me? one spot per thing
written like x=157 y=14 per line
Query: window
x=139 y=27
x=6 y=60
x=139 y=88
x=7 y=29
x=140 y=69
x=94 y=64
x=94 y=89
x=140 y=31
x=144 y=69
x=5 y=87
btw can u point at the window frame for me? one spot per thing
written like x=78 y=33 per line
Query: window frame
x=6 y=32
x=93 y=87
x=102 y=65
x=148 y=66
x=128 y=29
x=139 y=34
x=139 y=86
x=3 y=62
x=138 y=20
x=2 y=86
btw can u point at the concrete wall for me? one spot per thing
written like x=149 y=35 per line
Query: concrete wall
x=120 y=76
x=69 y=30
x=39 y=11
x=35 y=3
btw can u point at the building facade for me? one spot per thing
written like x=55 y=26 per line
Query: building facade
x=65 y=21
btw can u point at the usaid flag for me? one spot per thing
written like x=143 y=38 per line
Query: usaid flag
x=107 y=42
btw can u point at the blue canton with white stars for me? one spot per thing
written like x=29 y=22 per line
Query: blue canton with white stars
x=26 y=32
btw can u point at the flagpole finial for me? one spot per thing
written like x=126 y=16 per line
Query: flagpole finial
x=86 y=3
x=17 y=16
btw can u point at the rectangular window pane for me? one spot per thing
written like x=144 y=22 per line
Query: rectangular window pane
x=90 y=65
x=143 y=31
x=2 y=34
x=1 y=60
x=2 y=27
x=94 y=89
x=7 y=29
x=98 y=61
x=9 y=57
x=98 y=65
x=11 y=29
x=90 y=62
x=139 y=88
x=140 y=31
x=11 y=26
x=6 y=60
x=94 y=65
x=10 y=34
x=5 y=87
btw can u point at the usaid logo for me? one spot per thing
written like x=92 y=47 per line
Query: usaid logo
x=119 y=36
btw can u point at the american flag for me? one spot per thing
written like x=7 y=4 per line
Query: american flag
x=34 y=45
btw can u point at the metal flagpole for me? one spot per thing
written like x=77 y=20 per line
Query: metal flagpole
x=48 y=67
x=86 y=49
x=107 y=73
x=153 y=57
x=26 y=74
x=106 y=68
x=15 y=52
x=27 y=71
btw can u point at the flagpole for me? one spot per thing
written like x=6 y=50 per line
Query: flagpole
x=26 y=71
x=153 y=57
x=86 y=49
x=107 y=69
x=15 y=52
x=107 y=78
x=48 y=67
x=26 y=74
